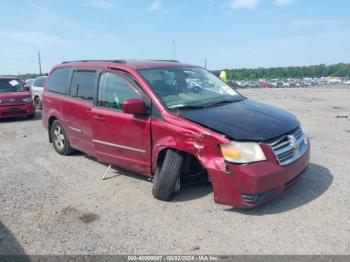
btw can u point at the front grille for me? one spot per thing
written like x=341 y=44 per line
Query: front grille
x=14 y=113
x=255 y=198
x=289 y=147
x=11 y=100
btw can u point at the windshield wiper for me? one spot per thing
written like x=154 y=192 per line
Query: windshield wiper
x=223 y=102
x=205 y=105
x=187 y=107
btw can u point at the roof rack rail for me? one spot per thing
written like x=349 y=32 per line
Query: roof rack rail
x=166 y=60
x=96 y=60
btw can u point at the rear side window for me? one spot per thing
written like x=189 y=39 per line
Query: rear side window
x=58 y=80
x=82 y=85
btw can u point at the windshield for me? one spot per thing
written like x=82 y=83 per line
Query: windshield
x=10 y=85
x=180 y=87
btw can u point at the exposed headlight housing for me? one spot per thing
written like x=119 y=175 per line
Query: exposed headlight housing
x=242 y=152
x=27 y=99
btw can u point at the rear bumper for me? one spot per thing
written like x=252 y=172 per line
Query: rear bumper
x=247 y=186
x=14 y=110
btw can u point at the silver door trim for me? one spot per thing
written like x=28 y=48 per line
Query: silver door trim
x=75 y=129
x=119 y=146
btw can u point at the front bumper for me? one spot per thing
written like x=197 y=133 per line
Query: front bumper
x=16 y=109
x=246 y=186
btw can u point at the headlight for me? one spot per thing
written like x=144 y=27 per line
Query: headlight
x=27 y=99
x=242 y=153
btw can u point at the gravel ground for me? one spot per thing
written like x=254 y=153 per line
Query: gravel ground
x=50 y=204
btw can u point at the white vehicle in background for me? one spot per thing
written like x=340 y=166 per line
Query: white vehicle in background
x=37 y=90
x=347 y=82
x=286 y=84
x=334 y=81
x=273 y=83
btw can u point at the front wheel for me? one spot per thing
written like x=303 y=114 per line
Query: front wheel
x=167 y=176
x=60 y=139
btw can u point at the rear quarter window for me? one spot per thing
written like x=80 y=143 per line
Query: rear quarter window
x=82 y=85
x=58 y=80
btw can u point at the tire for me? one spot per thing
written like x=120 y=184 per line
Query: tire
x=59 y=139
x=167 y=176
x=32 y=116
x=37 y=103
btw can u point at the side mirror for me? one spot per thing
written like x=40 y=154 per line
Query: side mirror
x=27 y=88
x=135 y=106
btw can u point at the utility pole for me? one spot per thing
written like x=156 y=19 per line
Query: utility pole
x=174 y=54
x=39 y=59
x=205 y=63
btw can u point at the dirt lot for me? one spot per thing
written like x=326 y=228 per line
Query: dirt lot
x=50 y=204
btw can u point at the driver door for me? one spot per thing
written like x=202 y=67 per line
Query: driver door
x=120 y=139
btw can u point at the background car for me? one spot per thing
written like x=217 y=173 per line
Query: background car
x=232 y=84
x=14 y=99
x=37 y=90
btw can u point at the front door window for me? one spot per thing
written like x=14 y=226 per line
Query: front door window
x=114 y=90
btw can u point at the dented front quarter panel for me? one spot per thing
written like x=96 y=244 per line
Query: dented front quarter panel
x=180 y=134
x=188 y=137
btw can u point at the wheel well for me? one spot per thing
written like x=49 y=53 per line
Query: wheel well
x=51 y=120
x=161 y=156
x=191 y=167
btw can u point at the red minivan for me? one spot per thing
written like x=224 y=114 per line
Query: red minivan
x=176 y=123
x=14 y=99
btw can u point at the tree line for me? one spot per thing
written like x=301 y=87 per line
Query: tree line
x=29 y=76
x=299 y=72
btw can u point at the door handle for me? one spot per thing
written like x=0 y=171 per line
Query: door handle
x=100 y=118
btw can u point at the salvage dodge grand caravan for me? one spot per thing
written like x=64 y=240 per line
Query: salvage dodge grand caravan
x=175 y=123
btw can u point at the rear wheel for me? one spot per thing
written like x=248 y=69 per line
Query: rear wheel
x=37 y=103
x=60 y=139
x=166 y=179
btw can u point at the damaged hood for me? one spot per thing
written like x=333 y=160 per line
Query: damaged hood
x=244 y=120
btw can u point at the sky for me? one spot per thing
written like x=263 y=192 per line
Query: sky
x=229 y=33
